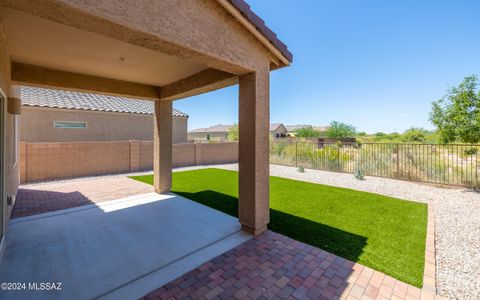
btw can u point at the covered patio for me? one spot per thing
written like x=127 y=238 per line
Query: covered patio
x=125 y=247
x=161 y=52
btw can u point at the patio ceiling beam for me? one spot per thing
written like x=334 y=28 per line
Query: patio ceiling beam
x=142 y=32
x=23 y=74
x=196 y=84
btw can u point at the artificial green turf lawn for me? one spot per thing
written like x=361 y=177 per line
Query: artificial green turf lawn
x=384 y=233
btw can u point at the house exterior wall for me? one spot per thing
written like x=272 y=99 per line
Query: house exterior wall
x=36 y=125
x=279 y=131
x=49 y=161
x=179 y=130
x=202 y=136
x=12 y=178
x=222 y=135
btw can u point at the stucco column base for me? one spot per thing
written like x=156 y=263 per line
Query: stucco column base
x=254 y=231
x=162 y=147
x=253 y=156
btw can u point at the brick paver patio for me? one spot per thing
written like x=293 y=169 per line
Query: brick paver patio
x=45 y=197
x=272 y=266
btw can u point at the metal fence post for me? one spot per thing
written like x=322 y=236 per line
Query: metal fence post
x=398 y=160
x=338 y=158
x=477 y=183
x=296 y=154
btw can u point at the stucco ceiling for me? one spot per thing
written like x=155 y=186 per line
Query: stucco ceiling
x=40 y=42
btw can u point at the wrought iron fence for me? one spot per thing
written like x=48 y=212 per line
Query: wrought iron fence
x=433 y=163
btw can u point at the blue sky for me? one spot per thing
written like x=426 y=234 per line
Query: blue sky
x=377 y=65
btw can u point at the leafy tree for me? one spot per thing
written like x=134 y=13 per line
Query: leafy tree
x=415 y=134
x=457 y=114
x=380 y=134
x=394 y=135
x=361 y=133
x=307 y=132
x=233 y=133
x=339 y=130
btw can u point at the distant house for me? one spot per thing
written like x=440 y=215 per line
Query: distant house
x=50 y=115
x=217 y=133
x=220 y=132
x=278 y=130
x=321 y=128
x=291 y=129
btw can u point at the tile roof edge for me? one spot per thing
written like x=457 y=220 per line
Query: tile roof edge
x=261 y=27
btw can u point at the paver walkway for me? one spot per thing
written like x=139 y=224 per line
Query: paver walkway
x=272 y=266
x=45 y=197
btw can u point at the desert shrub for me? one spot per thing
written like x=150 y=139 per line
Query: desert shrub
x=338 y=130
x=307 y=133
x=358 y=173
x=415 y=134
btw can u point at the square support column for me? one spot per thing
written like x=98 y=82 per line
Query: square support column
x=162 y=146
x=254 y=138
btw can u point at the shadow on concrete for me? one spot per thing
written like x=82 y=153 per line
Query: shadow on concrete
x=31 y=202
x=337 y=241
x=118 y=250
x=271 y=257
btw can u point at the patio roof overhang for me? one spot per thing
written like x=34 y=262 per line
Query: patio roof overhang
x=162 y=51
x=134 y=48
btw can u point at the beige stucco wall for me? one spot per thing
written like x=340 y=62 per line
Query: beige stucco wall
x=11 y=168
x=36 y=125
x=179 y=130
x=48 y=161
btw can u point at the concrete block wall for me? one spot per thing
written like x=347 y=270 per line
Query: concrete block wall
x=216 y=153
x=184 y=155
x=49 y=161
x=134 y=156
x=146 y=155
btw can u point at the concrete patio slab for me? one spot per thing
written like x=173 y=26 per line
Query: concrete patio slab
x=119 y=249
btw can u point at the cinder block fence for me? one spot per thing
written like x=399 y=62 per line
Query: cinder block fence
x=49 y=161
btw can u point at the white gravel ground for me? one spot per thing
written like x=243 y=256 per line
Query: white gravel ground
x=457 y=222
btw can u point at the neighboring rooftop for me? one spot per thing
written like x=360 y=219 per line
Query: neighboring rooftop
x=274 y=126
x=214 y=128
x=53 y=98
x=291 y=128
x=225 y=128
x=321 y=128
